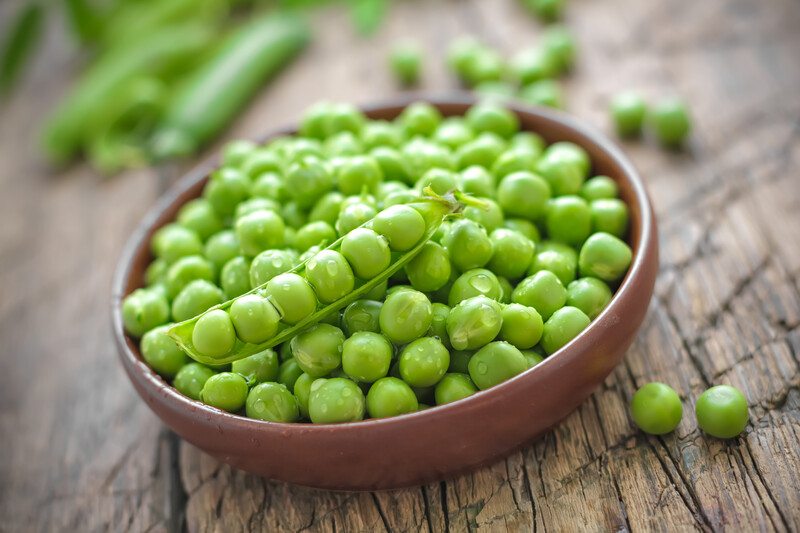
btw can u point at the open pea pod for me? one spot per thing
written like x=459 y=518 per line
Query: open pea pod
x=433 y=208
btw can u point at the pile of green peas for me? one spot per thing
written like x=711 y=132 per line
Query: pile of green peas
x=492 y=293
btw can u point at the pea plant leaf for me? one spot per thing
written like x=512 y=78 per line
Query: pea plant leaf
x=24 y=33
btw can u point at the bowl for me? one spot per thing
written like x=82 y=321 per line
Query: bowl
x=429 y=445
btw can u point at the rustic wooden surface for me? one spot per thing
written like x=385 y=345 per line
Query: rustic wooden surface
x=80 y=452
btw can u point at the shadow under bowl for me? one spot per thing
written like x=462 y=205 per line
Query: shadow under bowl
x=429 y=445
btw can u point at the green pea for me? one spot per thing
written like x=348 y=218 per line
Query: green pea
x=213 y=334
x=430 y=269
x=561 y=327
x=543 y=291
x=270 y=185
x=423 y=362
x=572 y=152
x=272 y=402
x=161 y=353
x=474 y=322
x=459 y=361
x=420 y=118
x=482 y=151
x=461 y=53
x=387 y=188
x=524 y=194
x=289 y=372
x=545 y=92
x=302 y=390
x=142 y=310
x=526 y=227
x=258 y=368
x=235 y=277
x=628 y=110
x=590 y=295
x=190 y=379
x=381 y=133
x=199 y=216
x=367 y=252
x=235 y=152
x=261 y=162
x=330 y=275
x=300 y=147
x=358 y=174
x=506 y=288
x=309 y=179
x=599 y=187
x=173 y=242
x=453 y=132
x=318 y=350
x=260 y=231
x=441 y=181
x=533 y=64
x=422 y=155
x=226 y=391
x=185 y=270
x=558 y=42
x=568 y=219
x=610 y=216
x=671 y=122
x=354 y=215
x=546 y=10
x=512 y=255
x=468 y=245
x=256 y=204
x=533 y=358
x=316 y=120
x=656 y=408
x=722 y=412
x=225 y=189
x=155 y=271
x=327 y=208
x=335 y=400
x=477 y=181
x=495 y=363
x=438 y=327
x=292 y=296
x=222 y=247
x=522 y=326
x=362 y=315
x=366 y=356
x=405 y=316
x=454 y=387
x=495 y=91
x=393 y=165
x=514 y=159
x=403 y=226
x=486 y=65
x=293 y=215
x=314 y=233
x=562 y=172
x=492 y=117
x=475 y=282
x=254 y=318
x=533 y=142
x=490 y=216
x=605 y=257
x=406 y=62
x=195 y=298
x=390 y=396
x=269 y=264
x=562 y=263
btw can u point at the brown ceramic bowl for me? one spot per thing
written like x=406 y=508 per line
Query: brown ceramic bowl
x=429 y=445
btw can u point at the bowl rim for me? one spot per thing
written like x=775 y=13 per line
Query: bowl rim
x=641 y=249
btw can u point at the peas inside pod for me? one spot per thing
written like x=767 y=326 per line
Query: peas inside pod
x=368 y=269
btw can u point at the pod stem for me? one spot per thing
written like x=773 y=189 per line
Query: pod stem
x=455 y=199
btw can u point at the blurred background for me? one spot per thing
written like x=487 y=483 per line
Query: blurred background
x=97 y=97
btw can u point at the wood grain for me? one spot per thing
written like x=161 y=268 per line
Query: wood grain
x=82 y=453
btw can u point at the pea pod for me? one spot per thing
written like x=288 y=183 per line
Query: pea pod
x=158 y=54
x=433 y=208
x=216 y=92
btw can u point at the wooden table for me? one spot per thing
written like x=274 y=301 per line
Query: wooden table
x=81 y=452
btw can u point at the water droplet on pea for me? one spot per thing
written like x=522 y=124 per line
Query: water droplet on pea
x=482 y=368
